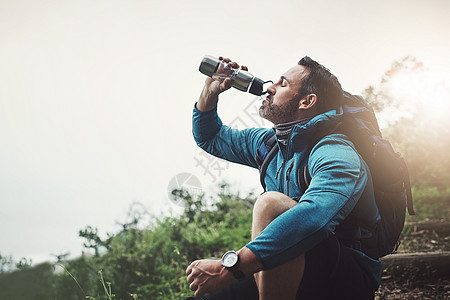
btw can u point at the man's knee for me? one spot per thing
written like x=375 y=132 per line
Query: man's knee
x=272 y=204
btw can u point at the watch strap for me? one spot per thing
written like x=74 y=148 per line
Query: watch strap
x=237 y=273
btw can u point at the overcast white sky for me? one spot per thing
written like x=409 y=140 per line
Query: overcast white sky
x=96 y=96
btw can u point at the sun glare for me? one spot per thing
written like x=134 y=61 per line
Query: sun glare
x=415 y=93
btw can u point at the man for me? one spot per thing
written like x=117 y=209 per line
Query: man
x=303 y=245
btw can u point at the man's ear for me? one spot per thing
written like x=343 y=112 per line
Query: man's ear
x=308 y=101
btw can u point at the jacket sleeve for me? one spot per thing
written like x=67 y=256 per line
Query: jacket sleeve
x=234 y=145
x=339 y=177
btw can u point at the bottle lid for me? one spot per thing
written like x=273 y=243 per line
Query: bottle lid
x=257 y=87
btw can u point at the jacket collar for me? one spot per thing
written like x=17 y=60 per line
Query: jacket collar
x=307 y=135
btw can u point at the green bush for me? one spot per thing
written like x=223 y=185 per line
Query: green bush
x=430 y=203
x=151 y=263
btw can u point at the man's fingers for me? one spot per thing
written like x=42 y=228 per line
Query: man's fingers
x=227 y=60
x=193 y=286
x=199 y=291
x=189 y=269
x=190 y=278
x=226 y=84
x=234 y=65
x=230 y=63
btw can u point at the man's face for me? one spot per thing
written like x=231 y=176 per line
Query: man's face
x=281 y=106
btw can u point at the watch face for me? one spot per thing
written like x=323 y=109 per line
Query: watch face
x=229 y=259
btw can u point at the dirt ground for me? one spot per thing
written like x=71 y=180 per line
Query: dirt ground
x=438 y=290
x=435 y=238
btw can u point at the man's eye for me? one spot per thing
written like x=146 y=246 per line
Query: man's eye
x=283 y=82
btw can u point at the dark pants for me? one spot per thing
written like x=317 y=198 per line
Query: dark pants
x=331 y=272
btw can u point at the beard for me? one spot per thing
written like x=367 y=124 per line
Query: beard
x=279 y=114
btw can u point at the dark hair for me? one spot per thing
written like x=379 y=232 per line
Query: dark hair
x=321 y=82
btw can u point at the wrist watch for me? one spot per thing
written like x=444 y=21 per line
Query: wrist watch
x=230 y=260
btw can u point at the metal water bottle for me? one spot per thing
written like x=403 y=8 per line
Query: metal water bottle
x=242 y=80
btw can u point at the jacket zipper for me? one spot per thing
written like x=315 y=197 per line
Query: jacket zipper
x=288 y=177
x=288 y=150
x=279 y=170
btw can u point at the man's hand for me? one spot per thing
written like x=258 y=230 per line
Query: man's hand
x=213 y=87
x=207 y=276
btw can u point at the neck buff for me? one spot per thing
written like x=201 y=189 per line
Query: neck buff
x=284 y=130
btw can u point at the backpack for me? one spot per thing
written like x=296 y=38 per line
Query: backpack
x=388 y=169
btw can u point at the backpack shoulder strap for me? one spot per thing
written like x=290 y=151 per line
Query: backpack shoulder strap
x=407 y=183
x=265 y=154
x=303 y=177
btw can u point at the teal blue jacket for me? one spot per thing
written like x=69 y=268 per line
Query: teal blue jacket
x=340 y=184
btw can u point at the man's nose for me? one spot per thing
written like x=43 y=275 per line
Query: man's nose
x=271 y=89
